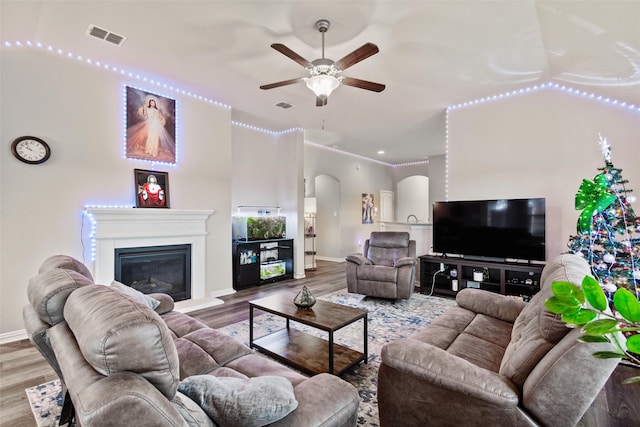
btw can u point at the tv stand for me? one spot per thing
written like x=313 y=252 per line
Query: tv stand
x=256 y=262
x=507 y=278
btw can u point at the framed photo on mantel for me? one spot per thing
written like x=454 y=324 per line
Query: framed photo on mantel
x=152 y=188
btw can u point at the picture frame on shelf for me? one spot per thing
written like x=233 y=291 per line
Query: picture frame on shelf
x=151 y=188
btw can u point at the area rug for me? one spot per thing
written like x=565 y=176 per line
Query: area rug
x=46 y=403
x=387 y=321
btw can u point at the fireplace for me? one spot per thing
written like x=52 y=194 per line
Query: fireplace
x=156 y=269
x=117 y=228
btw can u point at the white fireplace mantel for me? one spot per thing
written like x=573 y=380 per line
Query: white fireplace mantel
x=134 y=227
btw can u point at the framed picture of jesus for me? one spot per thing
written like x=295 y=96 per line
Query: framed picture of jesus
x=150 y=126
x=151 y=188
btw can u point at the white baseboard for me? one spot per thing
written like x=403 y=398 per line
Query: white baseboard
x=324 y=258
x=13 y=336
x=196 y=304
x=221 y=292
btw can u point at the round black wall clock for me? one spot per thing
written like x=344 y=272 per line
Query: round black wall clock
x=31 y=150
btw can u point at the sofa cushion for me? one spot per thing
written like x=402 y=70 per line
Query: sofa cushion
x=116 y=334
x=476 y=338
x=255 y=365
x=49 y=290
x=378 y=273
x=67 y=263
x=537 y=330
x=206 y=349
x=237 y=402
x=135 y=294
x=182 y=324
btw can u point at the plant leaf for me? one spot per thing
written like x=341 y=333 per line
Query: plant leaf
x=560 y=306
x=631 y=380
x=608 y=355
x=627 y=305
x=633 y=343
x=594 y=293
x=593 y=338
x=567 y=291
x=579 y=317
x=600 y=327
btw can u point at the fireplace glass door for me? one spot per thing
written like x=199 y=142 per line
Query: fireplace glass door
x=156 y=269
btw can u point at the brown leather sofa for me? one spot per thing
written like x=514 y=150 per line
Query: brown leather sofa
x=494 y=360
x=386 y=268
x=123 y=362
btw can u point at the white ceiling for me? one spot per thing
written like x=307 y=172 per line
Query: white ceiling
x=432 y=54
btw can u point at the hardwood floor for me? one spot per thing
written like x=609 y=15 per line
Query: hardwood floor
x=22 y=366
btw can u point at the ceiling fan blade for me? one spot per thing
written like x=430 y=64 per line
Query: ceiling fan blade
x=282 y=83
x=363 y=84
x=361 y=53
x=291 y=54
x=321 y=102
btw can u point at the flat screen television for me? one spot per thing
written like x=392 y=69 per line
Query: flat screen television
x=490 y=229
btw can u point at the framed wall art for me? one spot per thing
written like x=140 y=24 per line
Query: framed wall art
x=367 y=208
x=150 y=126
x=152 y=188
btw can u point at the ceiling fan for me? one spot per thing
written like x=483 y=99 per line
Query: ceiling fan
x=325 y=73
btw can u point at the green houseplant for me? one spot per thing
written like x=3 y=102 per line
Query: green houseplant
x=588 y=308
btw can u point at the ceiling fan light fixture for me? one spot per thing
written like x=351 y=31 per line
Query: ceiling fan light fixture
x=322 y=85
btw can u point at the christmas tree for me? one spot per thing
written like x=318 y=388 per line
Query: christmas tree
x=608 y=229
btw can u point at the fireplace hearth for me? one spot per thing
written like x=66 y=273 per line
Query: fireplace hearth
x=156 y=269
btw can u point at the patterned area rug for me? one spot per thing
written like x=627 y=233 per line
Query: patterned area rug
x=46 y=403
x=388 y=321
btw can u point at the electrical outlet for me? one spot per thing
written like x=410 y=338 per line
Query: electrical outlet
x=442 y=266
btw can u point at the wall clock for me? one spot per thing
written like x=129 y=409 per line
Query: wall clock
x=31 y=150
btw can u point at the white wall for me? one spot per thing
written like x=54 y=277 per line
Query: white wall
x=267 y=171
x=413 y=199
x=77 y=109
x=437 y=181
x=355 y=176
x=539 y=145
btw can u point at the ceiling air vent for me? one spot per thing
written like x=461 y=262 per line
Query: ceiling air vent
x=283 y=105
x=106 y=35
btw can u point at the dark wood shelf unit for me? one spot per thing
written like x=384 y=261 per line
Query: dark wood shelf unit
x=256 y=262
x=507 y=278
x=307 y=352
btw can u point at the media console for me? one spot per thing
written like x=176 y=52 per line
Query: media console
x=256 y=262
x=508 y=278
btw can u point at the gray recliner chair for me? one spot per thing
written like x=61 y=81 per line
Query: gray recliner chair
x=386 y=268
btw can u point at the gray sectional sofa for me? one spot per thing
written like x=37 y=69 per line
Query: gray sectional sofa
x=494 y=360
x=126 y=363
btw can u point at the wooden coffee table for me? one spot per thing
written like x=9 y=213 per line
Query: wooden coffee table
x=304 y=351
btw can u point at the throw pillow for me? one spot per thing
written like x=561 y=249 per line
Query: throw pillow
x=251 y=402
x=135 y=294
